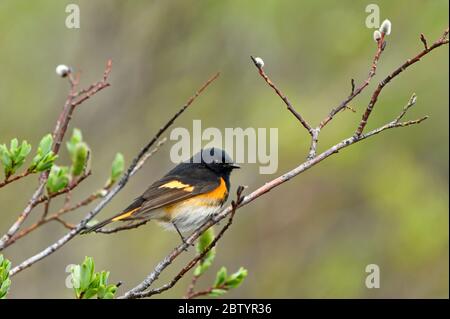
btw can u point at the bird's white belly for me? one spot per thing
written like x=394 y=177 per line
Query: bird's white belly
x=189 y=217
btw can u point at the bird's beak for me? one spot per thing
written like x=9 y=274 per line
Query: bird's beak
x=234 y=166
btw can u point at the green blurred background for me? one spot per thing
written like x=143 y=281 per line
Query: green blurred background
x=383 y=201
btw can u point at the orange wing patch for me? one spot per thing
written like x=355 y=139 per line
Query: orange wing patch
x=178 y=184
x=125 y=215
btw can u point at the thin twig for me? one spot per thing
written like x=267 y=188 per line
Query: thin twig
x=114 y=191
x=46 y=208
x=65 y=190
x=314 y=141
x=424 y=41
x=7 y=181
x=117 y=229
x=150 y=154
x=411 y=102
x=381 y=44
x=365 y=117
x=282 y=96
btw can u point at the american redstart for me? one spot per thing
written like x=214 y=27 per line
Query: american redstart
x=185 y=197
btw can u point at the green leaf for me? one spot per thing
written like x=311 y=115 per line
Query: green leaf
x=108 y=295
x=79 y=158
x=14 y=157
x=45 y=145
x=221 y=276
x=91 y=284
x=118 y=166
x=85 y=277
x=101 y=291
x=234 y=280
x=5 y=282
x=44 y=157
x=25 y=149
x=204 y=241
x=75 y=139
x=217 y=292
x=75 y=272
x=58 y=178
x=90 y=293
x=13 y=145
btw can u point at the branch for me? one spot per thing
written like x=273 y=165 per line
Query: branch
x=291 y=109
x=114 y=191
x=58 y=135
x=6 y=181
x=381 y=44
x=441 y=41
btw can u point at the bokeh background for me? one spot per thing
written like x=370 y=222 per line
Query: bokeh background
x=383 y=201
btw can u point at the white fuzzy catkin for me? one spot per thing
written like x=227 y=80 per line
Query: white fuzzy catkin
x=376 y=35
x=62 y=70
x=259 y=62
x=386 y=27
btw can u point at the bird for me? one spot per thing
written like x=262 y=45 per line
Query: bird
x=185 y=197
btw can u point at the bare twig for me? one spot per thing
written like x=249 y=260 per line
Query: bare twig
x=355 y=92
x=46 y=207
x=65 y=190
x=411 y=102
x=123 y=181
x=282 y=96
x=128 y=226
x=7 y=181
x=424 y=41
x=150 y=154
x=362 y=124
x=314 y=141
x=58 y=135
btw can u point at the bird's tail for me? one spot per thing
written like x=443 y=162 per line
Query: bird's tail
x=125 y=215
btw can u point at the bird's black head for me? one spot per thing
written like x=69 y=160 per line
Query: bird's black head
x=215 y=159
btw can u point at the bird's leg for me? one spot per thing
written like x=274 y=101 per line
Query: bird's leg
x=181 y=236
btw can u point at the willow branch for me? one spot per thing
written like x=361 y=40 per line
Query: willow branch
x=282 y=96
x=381 y=44
x=441 y=41
x=7 y=181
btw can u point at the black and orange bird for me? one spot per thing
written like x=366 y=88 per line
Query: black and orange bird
x=185 y=197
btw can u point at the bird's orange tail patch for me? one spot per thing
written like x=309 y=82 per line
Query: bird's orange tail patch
x=125 y=215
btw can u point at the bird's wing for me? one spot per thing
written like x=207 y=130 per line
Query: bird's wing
x=167 y=191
